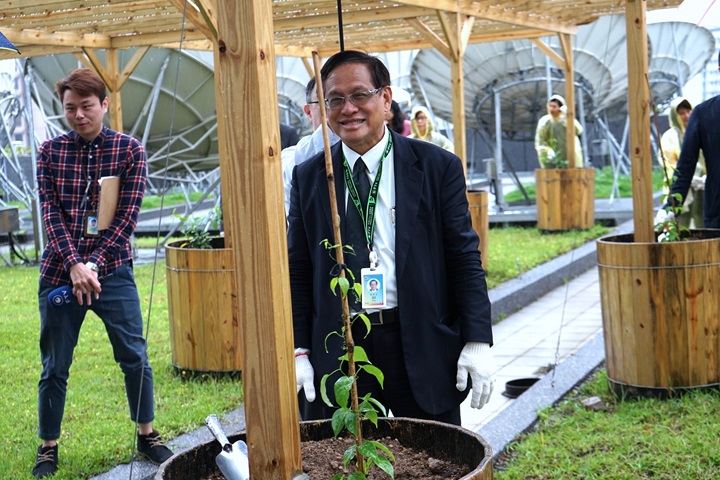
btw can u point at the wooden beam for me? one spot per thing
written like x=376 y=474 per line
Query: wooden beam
x=131 y=65
x=559 y=61
x=198 y=18
x=350 y=17
x=450 y=32
x=308 y=67
x=498 y=13
x=91 y=60
x=20 y=36
x=639 y=112
x=112 y=65
x=250 y=163
x=432 y=38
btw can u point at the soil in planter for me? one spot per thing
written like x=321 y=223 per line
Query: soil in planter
x=321 y=459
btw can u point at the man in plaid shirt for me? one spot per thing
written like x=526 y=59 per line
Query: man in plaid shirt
x=95 y=265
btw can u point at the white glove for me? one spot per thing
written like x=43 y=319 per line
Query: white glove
x=663 y=216
x=698 y=183
x=304 y=373
x=550 y=154
x=476 y=360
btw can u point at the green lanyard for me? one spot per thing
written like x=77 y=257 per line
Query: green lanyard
x=369 y=218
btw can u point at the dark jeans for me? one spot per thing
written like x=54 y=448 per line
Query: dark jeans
x=384 y=349
x=119 y=309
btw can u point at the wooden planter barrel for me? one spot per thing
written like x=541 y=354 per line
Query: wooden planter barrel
x=661 y=313
x=440 y=440
x=565 y=198
x=202 y=307
x=479 y=213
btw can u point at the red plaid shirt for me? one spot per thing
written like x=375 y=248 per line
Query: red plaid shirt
x=64 y=165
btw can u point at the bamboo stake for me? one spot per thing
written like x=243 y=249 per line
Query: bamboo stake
x=339 y=254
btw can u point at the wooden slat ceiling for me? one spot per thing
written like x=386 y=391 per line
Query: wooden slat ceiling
x=44 y=27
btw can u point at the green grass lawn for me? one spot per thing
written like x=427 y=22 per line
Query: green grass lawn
x=633 y=439
x=97 y=433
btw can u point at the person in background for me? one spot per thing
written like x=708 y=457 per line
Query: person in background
x=308 y=145
x=397 y=120
x=671 y=144
x=551 y=136
x=701 y=135
x=434 y=331
x=288 y=136
x=423 y=128
x=97 y=265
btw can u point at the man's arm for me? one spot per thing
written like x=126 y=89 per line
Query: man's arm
x=685 y=168
x=464 y=269
x=53 y=216
x=301 y=275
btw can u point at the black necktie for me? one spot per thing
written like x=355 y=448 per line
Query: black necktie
x=355 y=230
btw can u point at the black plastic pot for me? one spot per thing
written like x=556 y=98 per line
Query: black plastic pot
x=515 y=388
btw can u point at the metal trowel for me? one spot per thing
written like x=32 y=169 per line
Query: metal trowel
x=233 y=459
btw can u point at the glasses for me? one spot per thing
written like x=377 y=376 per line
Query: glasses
x=357 y=98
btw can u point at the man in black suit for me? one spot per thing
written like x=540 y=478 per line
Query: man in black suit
x=434 y=330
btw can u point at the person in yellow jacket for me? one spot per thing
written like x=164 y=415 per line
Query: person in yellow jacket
x=423 y=129
x=671 y=144
x=550 y=136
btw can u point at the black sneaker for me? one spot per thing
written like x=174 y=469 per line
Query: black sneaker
x=152 y=447
x=46 y=463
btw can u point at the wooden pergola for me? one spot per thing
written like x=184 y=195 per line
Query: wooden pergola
x=245 y=36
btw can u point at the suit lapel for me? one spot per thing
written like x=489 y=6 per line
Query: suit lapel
x=408 y=190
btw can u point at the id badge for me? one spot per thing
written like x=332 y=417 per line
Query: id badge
x=91 y=225
x=373 y=287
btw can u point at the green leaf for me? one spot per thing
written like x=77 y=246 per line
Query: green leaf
x=338 y=476
x=333 y=285
x=382 y=447
x=368 y=450
x=338 y=421
x=349 y=455
x=386 y=466
x=371 y=415
x=366 y=321
x=379 y=405
x=357 y=476
x=375 y=372
x=351 y=421
x=342 y=390
x=323 y=390
x=360 y=354
x=344 y=285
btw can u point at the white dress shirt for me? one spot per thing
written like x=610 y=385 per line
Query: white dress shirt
x=383 y=241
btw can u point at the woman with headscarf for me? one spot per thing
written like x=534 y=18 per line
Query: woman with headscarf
x=551 y=136
x=671 y=144
x=424 y=129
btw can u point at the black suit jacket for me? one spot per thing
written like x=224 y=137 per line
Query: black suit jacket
x=441 y=288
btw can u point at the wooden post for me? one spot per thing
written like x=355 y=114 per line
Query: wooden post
x=639 y=111
x=249 y=148
x=457 y=87
x=566 y=43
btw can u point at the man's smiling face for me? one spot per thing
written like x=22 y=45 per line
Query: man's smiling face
x=360 y=127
